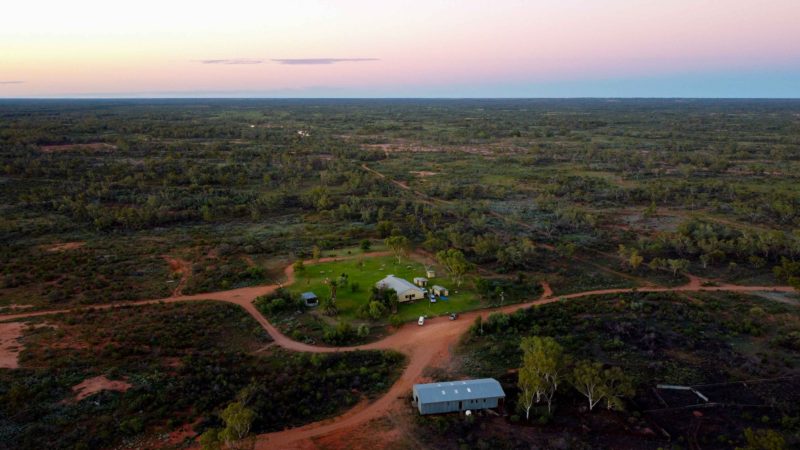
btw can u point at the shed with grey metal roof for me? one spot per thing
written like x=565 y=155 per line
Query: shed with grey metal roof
x=406 y=291
x=452 y=396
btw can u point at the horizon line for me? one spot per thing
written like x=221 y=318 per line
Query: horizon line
x=399 y=98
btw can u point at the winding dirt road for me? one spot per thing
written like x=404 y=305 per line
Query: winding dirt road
x=424 y=346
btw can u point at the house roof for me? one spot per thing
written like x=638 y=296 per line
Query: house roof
x=420 y=279
x=448 y=391
x=439 y=288
x=398 y=284
x=308 y=295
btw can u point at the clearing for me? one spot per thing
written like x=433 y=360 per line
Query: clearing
x=65 y=246
x=94 y=146
x=365 y=272
x=91 y=386
x=10 y=332
x=423 y=346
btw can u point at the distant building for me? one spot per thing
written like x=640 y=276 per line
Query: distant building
x=310 y=299
x=430 y=273
x=420 y=281
x=456 y=396
x=440 y=291
x=406 y=292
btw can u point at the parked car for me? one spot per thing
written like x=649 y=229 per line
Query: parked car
x=421 y=321
x=453 y=316
x=433 y=298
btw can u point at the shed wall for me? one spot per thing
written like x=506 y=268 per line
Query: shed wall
x=409 y=295
x=456 y=406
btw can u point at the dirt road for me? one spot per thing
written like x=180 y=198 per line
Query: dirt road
x=179 y=267
x=424 y=346
x=425 y=198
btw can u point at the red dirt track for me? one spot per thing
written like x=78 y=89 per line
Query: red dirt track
x=424 y=346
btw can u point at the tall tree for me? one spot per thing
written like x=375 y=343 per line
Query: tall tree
x=616 y=385
x=238 y=420
x=543 y=364
x=334 y=286
x=596 y=384
x=678 y=265
x=635 y=260
x=530 y=386
x=587 y=377
x=315 y=253
x=399 y=245
x=455 y=263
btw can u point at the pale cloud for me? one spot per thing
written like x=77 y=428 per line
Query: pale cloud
x=319 y=61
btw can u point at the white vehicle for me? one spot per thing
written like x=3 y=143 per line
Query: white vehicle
x=433 y=298
x=421 y=321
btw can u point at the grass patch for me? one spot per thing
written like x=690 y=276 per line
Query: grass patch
x=365 y=272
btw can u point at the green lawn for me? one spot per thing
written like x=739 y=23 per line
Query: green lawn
x=375 y=246
x=367 y=271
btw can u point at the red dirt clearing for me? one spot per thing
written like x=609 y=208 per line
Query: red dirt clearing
x=9 y=344
x=94 y=385
x=424 y=346
x=179 y=267
x=65 y=246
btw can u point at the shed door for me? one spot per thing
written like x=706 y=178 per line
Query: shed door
x=460 y=405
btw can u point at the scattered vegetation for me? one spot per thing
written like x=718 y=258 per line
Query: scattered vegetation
x=186 y=363
x=612 y=351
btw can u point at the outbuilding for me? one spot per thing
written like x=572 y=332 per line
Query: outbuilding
x=456 y=396
x=406 y=292
x=420 y=281
x=310 y=299
x=441 y=291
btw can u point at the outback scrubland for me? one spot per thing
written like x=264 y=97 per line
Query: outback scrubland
x=682 y=217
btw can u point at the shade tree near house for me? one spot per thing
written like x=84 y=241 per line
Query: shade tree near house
x=399 y=245
x=455 y=264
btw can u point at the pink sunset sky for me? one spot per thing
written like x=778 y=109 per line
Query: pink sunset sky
x=465 y=48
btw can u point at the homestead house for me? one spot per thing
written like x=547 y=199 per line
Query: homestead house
x=406 y=292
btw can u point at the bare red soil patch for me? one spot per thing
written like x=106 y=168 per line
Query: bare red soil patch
x=179 y=267
x=249 y=261
x=94 y=146
x=9 y=344
x=94 y=385
x=382 y=433
x=423 y=173
x=184 y=432
x=65 y=246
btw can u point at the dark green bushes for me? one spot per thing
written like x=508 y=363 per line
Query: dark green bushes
x=184 y=361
